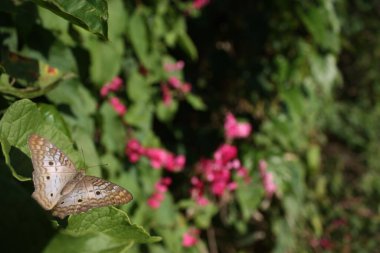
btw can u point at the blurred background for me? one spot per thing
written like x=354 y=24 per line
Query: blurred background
x=239 y=126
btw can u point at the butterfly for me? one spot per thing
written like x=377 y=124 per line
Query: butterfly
x=64 y=190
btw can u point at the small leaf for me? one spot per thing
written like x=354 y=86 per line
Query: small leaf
x=140 y=115
x=196 y=102
x=112 y=129
x=138 y=89
x=166 y=112
x=138 y=33
x=187 y=45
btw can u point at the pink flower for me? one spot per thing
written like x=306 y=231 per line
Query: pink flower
x=199 y=4
x=218 y=171
x=166 y=95
x=104 y=91
x=233 y=129
x=202 y=201
x=166 y=181
x=134 y=150
x=175 y=163
x=169 y=67
x=114 y=85
x=175 y=82
x=155 y=200
x=158 y=196
x=225 y=153
x=162 y=185
x=218 y=187
x=118 y=106
x=185 y=88
x=156 y=156
x=325 y=243
x=160 y=158
x=197 y=191
x=232 y=186
x=267 y=179
x=190 y=238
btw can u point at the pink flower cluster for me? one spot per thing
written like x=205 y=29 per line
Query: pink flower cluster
x=197 y=191
x=233 y=129
x=267 y=179
x=173 y=83
x=134 y=150
x=118 y=106
x=166 y=94
x=217 y=174
x=112 y=86
x=199 y=4
x=159 y=195
x=159 y=158
x=190 y=238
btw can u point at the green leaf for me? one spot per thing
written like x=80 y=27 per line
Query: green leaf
x=138 y=33
x=249 y=197
x=166 y=112
x=187 y=45
x=140 y=115
x=316 y=20
x=23 y=119
x=90 y=15
x=118 y=19
x=35 y=77
x=113 y=130
x=138 y=89
x=100 y=230
x=52 y=115
x=196 y=102
x=72 y=93
x=106 y=60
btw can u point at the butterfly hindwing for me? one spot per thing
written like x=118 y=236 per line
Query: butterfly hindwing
x=52 y=171
x=91 y=192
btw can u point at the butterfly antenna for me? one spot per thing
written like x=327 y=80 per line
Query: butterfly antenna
x=83 y=157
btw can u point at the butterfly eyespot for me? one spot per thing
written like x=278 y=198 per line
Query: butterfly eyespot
x=97 y=192
x=51 y=194
x=47 y=177
x=62 y=202
x=79 y=200
x=51 y=163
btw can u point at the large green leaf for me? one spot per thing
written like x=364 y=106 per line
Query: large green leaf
x=22 y=119
x=101 y=230
x=91 y=15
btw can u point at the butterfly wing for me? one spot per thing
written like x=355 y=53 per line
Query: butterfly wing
x=91 y=192
x=52 y=171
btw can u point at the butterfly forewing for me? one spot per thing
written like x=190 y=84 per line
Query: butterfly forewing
x=52 y=171
x=91 y=192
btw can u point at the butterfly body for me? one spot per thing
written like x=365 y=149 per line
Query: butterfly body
x=64 y=190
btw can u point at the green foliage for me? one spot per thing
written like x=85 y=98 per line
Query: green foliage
x=299 y=72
